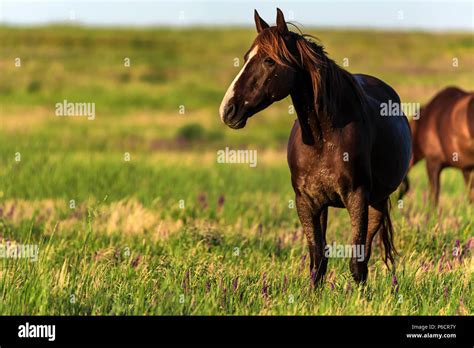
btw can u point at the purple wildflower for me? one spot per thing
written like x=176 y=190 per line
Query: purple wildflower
x=294 y=237
x=467 y=247
x=220 y=201
x=331 y=277
x=313 y=278
x=202 y=200
x=425 y=266
x=449 y=267
x=264 y=285
x=395 y=283
x=265 y=289
x=208 y=286
x=235 y=284
x=468 y=244
x=186 y=281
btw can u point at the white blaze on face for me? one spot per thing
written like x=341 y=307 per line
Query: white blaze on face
x=230 y=91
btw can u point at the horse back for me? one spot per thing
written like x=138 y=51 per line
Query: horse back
x=470 y=115
x=445 y=130
x=392 y=136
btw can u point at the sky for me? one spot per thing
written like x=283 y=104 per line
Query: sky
x=434 y=15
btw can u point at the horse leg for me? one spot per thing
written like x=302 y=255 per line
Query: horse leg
x=321 y=261
x=313 y=219
x=376 y=215
x=324 y=222
x=434 y=169
x=404 y=187
x=358 y=210
x=469 y=180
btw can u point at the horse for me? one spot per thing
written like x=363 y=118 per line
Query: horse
x=341 y=152
x=444 y=136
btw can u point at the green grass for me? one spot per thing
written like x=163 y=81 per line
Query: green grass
x=128 y=246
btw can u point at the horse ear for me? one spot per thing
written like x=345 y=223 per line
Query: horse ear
x=260 y=23
x=281 y=24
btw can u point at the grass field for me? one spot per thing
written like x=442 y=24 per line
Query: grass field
x=133 y=215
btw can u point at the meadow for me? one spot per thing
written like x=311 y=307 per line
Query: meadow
x=132 y=214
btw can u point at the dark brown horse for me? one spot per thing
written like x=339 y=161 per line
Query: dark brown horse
x=341 y=151
x=444 y=136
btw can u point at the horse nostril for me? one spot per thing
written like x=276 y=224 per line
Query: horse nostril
x=230 y=111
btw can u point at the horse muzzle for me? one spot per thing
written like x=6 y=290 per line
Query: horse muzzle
x=231 y=116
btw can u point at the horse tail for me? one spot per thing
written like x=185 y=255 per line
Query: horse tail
x=386 y=236
x=404 y=187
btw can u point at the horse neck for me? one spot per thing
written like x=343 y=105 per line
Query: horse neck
x=313 y=107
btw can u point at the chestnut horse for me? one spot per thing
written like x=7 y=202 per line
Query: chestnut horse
x=444 y=136
x=341 y=151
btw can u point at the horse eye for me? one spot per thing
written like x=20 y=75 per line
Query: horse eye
x=269 y=61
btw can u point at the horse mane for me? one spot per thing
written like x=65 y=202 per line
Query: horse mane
x=329 y=80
